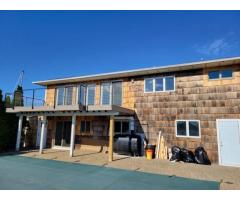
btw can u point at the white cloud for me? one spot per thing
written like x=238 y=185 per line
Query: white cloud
x=218 y=46
x=215 y=47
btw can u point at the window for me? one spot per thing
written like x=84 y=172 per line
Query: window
x=117 y=127
x=60 y=96
x=65 y=96
x=111 y=93
x=226 y=73
x=149 y=85
x=117 y=93
x=68 y=95
x=81 y=95
x=188 y=128
x=122 y=126
x=160 y=84
x=85 y=126
x=105 y=96
x=169 y=83
x=91 y=94
x=220 y=74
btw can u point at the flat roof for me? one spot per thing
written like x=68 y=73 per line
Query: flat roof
x=143 y=71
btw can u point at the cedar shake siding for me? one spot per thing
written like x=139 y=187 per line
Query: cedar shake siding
x=195 y=98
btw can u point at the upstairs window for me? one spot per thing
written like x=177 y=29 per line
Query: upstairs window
x=68 y=95
x=60 y=96
x=160 y=84
x=169 y=83
x=188 y=128
x=117 y=93
x=220 y=74
x=111 y=93
x=91 y=94
x=65 y=95
x=149 y=85
x=81 y=95
x=106 y=94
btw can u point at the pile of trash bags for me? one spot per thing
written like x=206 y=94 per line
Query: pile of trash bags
x=199 y=156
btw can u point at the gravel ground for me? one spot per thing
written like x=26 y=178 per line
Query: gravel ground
x=229 y=177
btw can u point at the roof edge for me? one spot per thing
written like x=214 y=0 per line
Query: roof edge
x=141 y=71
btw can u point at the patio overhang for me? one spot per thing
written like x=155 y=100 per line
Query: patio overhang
x=95 y=110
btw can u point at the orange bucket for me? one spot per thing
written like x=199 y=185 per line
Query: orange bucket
x=149 y=153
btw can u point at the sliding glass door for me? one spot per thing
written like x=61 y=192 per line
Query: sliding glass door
x=63 y=134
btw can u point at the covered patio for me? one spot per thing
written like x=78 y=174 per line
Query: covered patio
x=110 y=113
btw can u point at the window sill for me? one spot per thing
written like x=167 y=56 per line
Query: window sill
x=191 y=137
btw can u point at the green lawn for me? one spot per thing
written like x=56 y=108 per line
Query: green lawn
x=18 y=172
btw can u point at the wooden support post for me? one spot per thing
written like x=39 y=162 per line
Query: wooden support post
x=42 y=139
x=19 y=132
x=111 y=134
x=73 y=127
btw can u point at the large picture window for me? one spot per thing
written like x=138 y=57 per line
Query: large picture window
x=111 y=93
x=188 y=128
x=159 y=84
x=65 y=95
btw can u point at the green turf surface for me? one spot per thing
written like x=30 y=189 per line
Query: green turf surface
x=18 y=172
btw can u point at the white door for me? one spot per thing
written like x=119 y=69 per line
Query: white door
x=229 y=141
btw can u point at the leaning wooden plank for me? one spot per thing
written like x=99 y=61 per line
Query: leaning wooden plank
x=158 y=144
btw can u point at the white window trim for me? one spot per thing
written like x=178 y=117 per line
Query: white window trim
x=145 y=85
x=111 y=91
x=94 y=93
x=164 y=84
x=187 y=128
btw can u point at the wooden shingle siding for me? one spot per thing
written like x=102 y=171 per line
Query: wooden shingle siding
x=50 y=95
x=195 y=98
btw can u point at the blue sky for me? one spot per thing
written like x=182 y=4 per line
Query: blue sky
x=54 y=44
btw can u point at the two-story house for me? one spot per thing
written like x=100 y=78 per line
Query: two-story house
x=193 y=104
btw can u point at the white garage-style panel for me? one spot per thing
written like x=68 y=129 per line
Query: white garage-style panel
x=228 y=131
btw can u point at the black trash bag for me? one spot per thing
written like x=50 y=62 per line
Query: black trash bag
x=201 y=156
x=176 y=154
x=187 y=156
